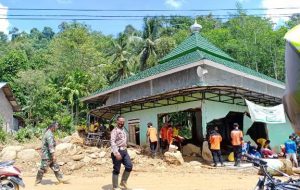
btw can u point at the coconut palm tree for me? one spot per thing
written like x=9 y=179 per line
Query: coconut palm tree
x=122 y=59
x=149 y=39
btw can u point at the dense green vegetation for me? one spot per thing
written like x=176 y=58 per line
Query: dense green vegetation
x=50 y=71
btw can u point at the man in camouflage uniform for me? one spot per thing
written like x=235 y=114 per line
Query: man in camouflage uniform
x=48 y=156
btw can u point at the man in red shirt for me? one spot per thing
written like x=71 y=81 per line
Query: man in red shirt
x=169 y=135
x=215 y=140
x=163 y=137
x=237 y=142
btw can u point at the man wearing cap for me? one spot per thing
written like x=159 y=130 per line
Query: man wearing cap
x=237 y=142
x=119 y=155
x=215 y=140
x=48 y=155
x=152 y=136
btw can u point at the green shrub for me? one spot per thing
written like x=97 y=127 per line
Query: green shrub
x=3 y=135
x=1 y=121
x=65 y=122
x=24 y=134
x=60 y=134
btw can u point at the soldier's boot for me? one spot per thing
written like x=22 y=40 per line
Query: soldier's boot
x=39 y=177
x=115 y=179
x=59 y=177
x=124 y=179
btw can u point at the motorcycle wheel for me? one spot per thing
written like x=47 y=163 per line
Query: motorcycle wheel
x=9 y=185
x=258 y=188
x=259 y=185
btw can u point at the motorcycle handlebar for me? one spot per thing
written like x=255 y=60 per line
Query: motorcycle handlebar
x=255 y=161
x=7 y=163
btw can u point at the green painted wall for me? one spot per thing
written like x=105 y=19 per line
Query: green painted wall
x=210 y=110
x=216 y=110
x=150 y=115
x=278 y=133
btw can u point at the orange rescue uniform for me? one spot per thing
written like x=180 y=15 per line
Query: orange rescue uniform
x=215 y=141
x=236 y=137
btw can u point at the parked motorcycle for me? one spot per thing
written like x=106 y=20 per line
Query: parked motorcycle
x=10 y=176
x=267 y=181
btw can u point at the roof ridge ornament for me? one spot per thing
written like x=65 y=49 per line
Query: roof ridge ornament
x=195 y=28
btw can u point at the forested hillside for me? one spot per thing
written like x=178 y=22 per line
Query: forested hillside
x=50 y=71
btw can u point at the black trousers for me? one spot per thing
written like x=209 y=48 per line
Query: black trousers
x=237 y=150
x=217 y=156
x=164 y=146
x=125 y=161
x=153 y=146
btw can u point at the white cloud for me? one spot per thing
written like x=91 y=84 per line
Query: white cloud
x=4 y=24
x=276 y=15
x=64 y=1
x=174 y=3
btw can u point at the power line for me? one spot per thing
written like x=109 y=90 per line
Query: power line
x=122 y=17
x=138 y=16
x=80 y=19
x=146 y=10
x=99 y=19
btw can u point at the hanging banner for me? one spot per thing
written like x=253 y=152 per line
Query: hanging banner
x=271 y=115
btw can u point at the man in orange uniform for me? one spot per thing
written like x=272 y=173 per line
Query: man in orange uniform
x=152 y=136
x=170 y=135
x=237 y=142
x=215 y=140
x=163 y=137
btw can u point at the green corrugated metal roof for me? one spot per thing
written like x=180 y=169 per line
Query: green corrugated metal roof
x=193 y=49
x=195 y=42
x=183 y=60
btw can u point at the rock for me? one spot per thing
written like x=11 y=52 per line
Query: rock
x=96 y=162
x=103 y=160
x=173 y=158
x=66 y=139
x=296 y=170
x=61 y=163
x=287 y=167
x=132 y=153
x=64 y=159
x=76 y=139
x=206 y=153
x=28 y=155
x=70 y=163
x=94 y=155
x=86 y=159
x=78 y=157
x=102 y=154
x=64 y=148
x=12 y=148
x=92 y=150
x=195 y=163
x=73 y=151
x=99 y=161
x=76 y=166
x=190 y=149
x=281 y=165
x=172 y=148
x=8 y=155
x=161 y=168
